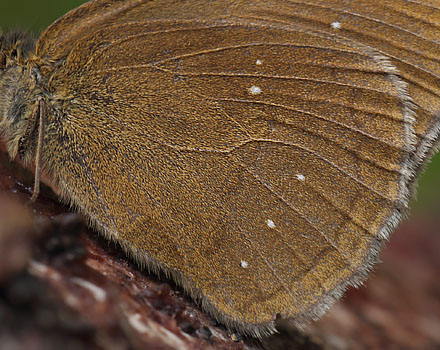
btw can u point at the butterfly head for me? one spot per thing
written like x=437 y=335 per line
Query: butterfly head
x=16 y=84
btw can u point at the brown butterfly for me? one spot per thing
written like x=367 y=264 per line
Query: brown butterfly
x=258 y=152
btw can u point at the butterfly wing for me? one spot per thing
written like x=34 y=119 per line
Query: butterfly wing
x=259 y=164
x=406 y=32
x=59 y=38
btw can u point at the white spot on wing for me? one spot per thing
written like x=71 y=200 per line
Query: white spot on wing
x=244 y=264
x=258 y=62
x=270 y=223
x=336 y=25
x=255 y=90
x=300 y=177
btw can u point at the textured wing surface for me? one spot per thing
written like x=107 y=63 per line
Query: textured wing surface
x=257 y=155
x=407 y=32
x=59 y=38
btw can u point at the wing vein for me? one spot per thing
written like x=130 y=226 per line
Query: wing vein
x=360 y=15
x=303 y=217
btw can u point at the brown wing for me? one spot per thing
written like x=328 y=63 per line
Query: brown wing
x=59 y=38
x=404 y=31
x=407 y=32
x=259 y=164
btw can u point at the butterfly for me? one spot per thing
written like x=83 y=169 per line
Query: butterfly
x=259 y=153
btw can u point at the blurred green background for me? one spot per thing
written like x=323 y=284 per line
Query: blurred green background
x=35 y=15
